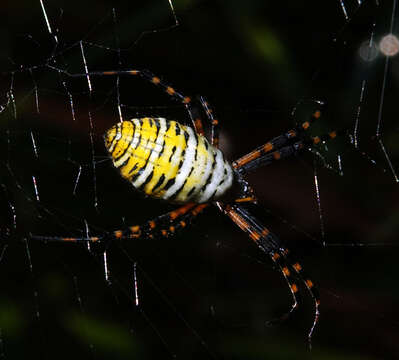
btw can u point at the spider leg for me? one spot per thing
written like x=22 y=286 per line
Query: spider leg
x=155 y=80
x=213 y=121
x=268 y=243
x=314 y=293
x=168 y=224
x=266 y=159
x=273 y=246
x=163 y=225
x=277 y=142
x=66 y=239
x=284 y=269
x=257 y=158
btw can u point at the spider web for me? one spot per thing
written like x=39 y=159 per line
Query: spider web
x=206 y=293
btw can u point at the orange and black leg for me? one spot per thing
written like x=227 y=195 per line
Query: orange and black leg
x=282 y=146
x=168 y=224
x=214 y=122
x=172 y=92
x=285 y=270
x=155 y=80
x=164 y=226
x=193 y=111
x=314 y=293
x=259 y=158
x=273 y=246
x=266 y=241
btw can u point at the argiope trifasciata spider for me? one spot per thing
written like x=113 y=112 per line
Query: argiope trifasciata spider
x=167 y=160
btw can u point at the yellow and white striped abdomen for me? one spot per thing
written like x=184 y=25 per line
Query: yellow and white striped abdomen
x=169 y=161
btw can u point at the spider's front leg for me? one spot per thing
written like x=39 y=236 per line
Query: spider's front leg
x=284 y=146
x=275 y=249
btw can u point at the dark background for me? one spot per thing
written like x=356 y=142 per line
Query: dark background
x=208 y=292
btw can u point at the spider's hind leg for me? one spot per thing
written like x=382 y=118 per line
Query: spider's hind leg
x=214 y=122
x=163 y=226
x=147 y=75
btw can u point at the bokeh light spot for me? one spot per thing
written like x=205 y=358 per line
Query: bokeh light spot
x=368 y=51
x=389 y=45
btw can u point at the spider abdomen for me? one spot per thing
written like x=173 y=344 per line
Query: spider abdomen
x=169 y=161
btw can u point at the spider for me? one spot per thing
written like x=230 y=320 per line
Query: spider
x=167 y=160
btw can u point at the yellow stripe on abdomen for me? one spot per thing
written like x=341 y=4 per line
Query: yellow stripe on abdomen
x=167 y=160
